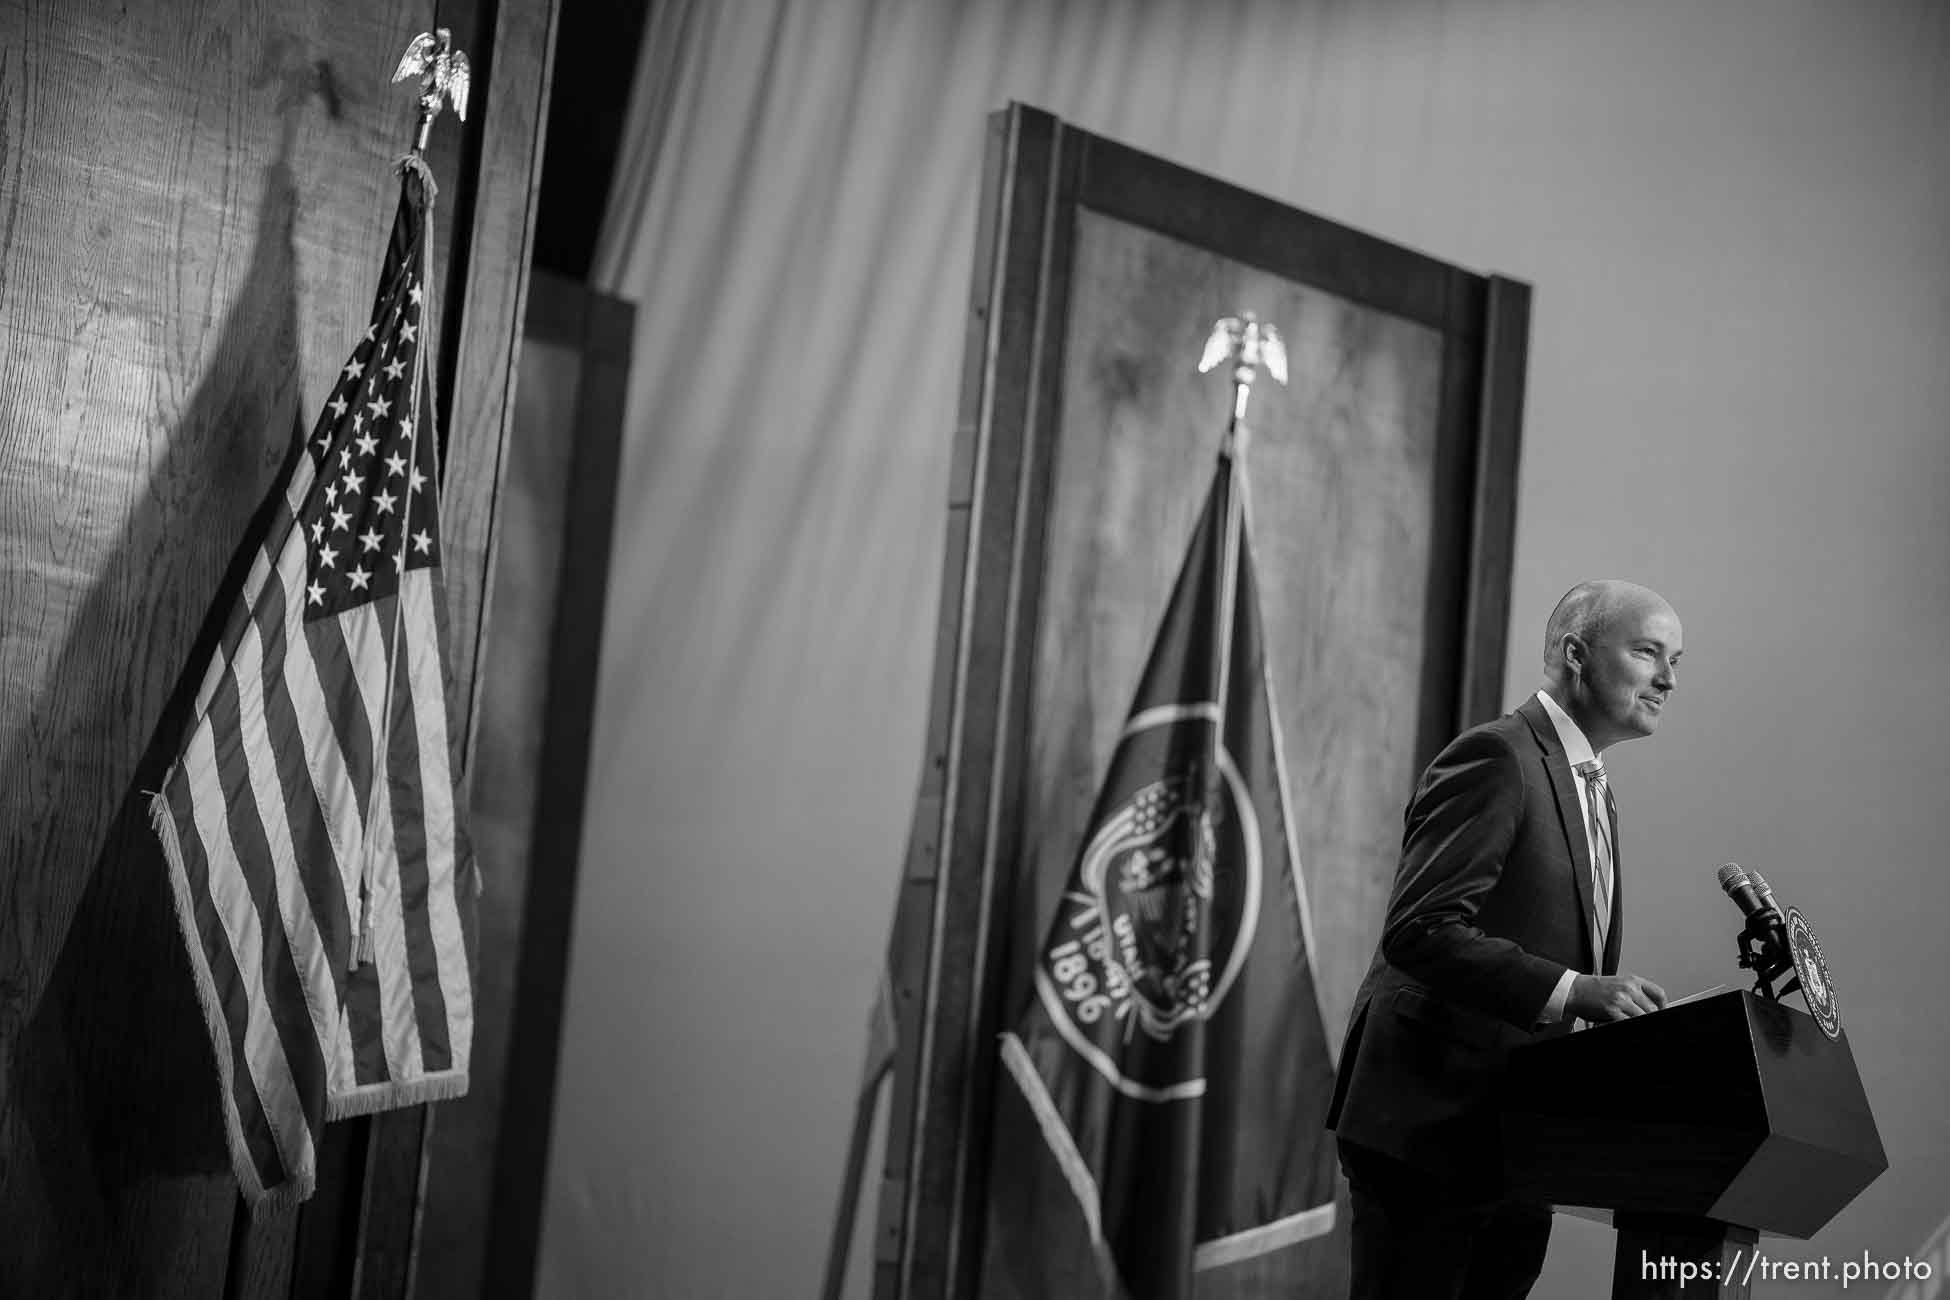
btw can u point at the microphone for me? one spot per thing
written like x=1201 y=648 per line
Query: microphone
x=1765 y=930
x=1740 y=887
x=1759 y=883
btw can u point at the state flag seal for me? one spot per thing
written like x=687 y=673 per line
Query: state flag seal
x=1163 y=913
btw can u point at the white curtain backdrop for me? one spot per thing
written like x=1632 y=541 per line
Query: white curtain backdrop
x=1736 y=221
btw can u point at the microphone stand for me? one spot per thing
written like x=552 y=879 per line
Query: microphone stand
x=1763 y=950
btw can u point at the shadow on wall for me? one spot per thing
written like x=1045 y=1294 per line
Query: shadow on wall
x=114 y=1174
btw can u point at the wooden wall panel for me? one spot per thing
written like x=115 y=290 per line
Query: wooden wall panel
x=193 y=202
x=1341 y=468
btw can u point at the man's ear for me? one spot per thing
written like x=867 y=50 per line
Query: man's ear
x=1574 y=649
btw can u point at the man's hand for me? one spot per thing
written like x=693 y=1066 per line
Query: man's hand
x=1599 y=998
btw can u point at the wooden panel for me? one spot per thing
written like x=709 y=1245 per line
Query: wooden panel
x=262 y=1254
x=196 y=198
x=1136 y=187
x=1341 y=466
x=325 y=1257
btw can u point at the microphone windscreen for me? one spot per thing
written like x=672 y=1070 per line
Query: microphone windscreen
x=1732 y=877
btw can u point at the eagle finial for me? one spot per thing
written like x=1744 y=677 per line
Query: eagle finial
x=1249 y=344
x=443 y=74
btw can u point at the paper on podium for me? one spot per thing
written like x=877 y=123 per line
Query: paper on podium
x=1694 y=997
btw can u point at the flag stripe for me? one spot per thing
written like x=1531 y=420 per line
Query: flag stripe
x=283 y=995
x=329 y=769
x=409 y=813
x=337 y=790
x=446 y=1012
x=334 y=663
x=293 y=811
x=362 y=1018
x=398 y=976
x=395 y=1026
x=226 y=989
x=306 y=876
x=279 y=1103
x=421 y=961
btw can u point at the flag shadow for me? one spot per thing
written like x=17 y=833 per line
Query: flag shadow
x=116 y=1172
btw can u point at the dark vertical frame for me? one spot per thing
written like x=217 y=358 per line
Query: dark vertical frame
x=950 y=959
x=1492 y=552
x=601 y=329
x=960 y=865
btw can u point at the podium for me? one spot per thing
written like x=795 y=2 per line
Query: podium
x=1698 y=1127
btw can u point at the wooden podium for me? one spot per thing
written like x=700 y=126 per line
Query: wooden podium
x=1698 y=1127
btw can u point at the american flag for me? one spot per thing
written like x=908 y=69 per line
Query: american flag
x=310 y=819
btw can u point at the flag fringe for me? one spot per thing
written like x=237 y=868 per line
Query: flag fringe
x=372 y=1098
x=1064 y=1148
x=304 y=1179
x=1055 y=1132
x=1263 y=1240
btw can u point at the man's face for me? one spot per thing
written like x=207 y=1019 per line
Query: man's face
x=1628 y=673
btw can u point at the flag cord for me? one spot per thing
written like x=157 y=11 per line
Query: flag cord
x=362 y=951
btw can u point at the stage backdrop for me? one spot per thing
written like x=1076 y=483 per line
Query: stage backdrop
x=1737 y=220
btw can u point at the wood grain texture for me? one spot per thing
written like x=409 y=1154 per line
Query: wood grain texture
x=262 y=1254
x=193 y=202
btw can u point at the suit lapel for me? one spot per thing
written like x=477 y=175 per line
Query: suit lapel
x=1557 y=769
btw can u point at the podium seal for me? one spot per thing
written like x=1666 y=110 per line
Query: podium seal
x=1809 y=964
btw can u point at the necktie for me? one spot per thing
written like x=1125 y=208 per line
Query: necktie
x=1593 y=773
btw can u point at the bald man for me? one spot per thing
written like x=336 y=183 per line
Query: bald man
x=1502 y=928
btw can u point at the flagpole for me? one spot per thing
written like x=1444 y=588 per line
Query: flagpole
x=443 y=75
x=1248 y=344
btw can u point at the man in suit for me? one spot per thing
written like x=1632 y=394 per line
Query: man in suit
x=1502 y=927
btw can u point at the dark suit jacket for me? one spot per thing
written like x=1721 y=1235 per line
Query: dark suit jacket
x=1492 y=902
